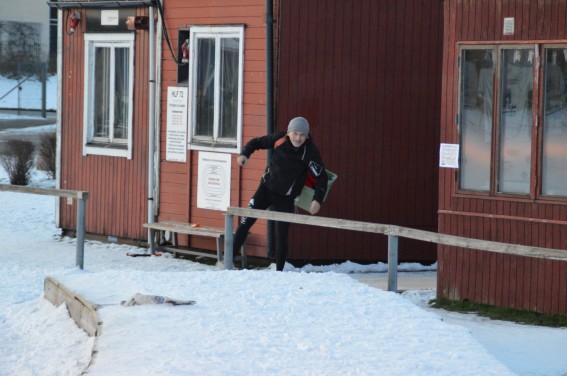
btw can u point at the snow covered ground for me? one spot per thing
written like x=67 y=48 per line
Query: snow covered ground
x=309 y=321
x=244 y=322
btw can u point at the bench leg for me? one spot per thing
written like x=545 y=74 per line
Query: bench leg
x=152 y=241
x=220 y=245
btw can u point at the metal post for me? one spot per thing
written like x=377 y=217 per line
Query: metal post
x=19 y=89
x=228 y=240
x=80 y=233
x=151 y=123
x=392 y=263
x=43 y=89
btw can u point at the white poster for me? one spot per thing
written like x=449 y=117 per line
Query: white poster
x=449 y=156
x=213 y=183
x=176 y=136
x=109 y=17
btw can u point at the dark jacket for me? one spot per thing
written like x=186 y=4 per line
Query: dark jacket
x=286 y=173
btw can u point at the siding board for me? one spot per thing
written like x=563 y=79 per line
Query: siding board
x=105 y=178
x=519 y=282
x=370 y=100
x=371 y=90
x=178 y=181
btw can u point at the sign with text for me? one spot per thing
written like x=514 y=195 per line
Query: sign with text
x=213 y=183
x=449 y=156
x=109 y=17
x=176 y=136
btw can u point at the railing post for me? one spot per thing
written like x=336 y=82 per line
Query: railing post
x=392 y=263
x=79 y=258
x=228 y=240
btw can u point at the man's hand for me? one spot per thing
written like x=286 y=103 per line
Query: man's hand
x=315 y=206
x=241 y=160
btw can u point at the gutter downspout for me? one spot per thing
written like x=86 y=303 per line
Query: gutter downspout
x=270 y=103
x=59 y=111
x=151 y=122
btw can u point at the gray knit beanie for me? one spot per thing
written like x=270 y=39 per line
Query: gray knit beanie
x=298 y=124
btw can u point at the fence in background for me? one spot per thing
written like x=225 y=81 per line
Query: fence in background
x=27 y=71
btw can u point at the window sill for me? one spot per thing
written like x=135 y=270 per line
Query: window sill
x=110 y=150
x=217 y=147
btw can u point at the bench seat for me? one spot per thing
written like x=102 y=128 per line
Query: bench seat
x=158 y=228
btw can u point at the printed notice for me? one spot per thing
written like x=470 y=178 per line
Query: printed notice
x=109 y=17
x=176 y=136
x=509 y=26
x=213 y=183
x=449 y=156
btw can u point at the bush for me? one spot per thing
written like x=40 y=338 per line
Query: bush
x=17 y=159
x=46 y=154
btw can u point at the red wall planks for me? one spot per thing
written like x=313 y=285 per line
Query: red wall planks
x=117 y=203
x=366 y=75
x=178 y=181
x=508 y=281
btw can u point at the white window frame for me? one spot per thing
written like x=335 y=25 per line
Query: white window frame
x=92 y=145
x=206 y=143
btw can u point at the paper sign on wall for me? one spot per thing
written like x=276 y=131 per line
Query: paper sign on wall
x=213 y=183
x=109 y=17
x=176 y=136
x=509 y=26
x=449 y=156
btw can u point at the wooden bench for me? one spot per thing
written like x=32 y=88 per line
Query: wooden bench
x=157 y=229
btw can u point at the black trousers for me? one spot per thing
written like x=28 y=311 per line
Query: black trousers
x=264 y=199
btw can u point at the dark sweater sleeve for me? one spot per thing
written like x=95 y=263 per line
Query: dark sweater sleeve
x=264 y=142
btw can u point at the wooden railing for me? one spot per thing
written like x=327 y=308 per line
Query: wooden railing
x=80 y=196
x=392 y=231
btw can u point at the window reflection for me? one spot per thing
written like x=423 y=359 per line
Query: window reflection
x=515 y=120
x=121 y=91
x=554 y=159
x=229 y=87
x=476 y=122
x=102 y=92
x=205 y=87
x=111 y=91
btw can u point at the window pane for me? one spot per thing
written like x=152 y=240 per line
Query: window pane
x=554 y=160
x=476 y=119
x=121 y=89
x=229 y=87
x=205 y=99
x=515 y=120
x=101 y=83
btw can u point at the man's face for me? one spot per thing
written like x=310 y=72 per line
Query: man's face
x=297 y=138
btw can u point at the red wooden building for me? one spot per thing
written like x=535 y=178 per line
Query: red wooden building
x=365 y=73
x=504 y=101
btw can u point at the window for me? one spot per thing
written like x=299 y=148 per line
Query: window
x=476 y=118
x=554 y=154
x=215 y=79
x=503 y=150
x=109 y=62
